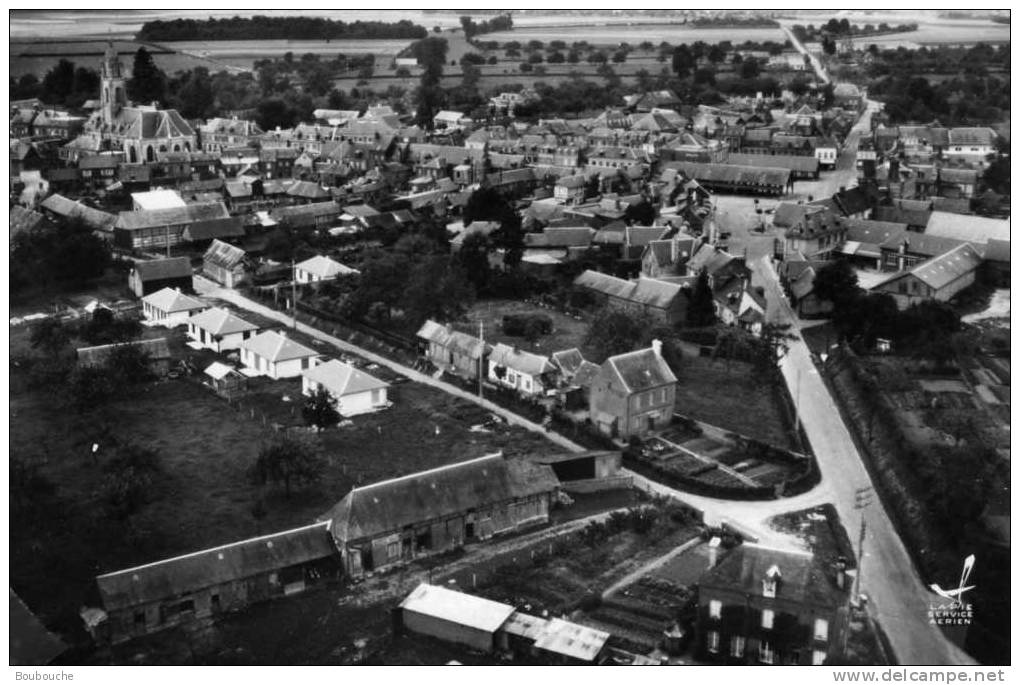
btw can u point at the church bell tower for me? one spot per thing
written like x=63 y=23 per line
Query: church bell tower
x=113 y=93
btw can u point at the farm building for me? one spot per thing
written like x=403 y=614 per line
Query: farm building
x=226 y=381
x=735 y=178
x=665 y=303
x=525 y=372
x=353 y=391
x=939 y=278
x=224 y=264
x=148 y=277
x=633 y=393
x=170 y=307
x=454 y=616
x=58 y=206
x=586 y=471
x=157 y=350
x=388 y=523
x=316 y=215
x=219 y=330
x=451 y=350
x=273 y=354
x=320 y=268
x=31 y=643
x=159 y=228
x=149 y=598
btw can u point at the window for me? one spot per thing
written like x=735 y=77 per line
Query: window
x=821 y=629
x=376 y=396
x=737 y=646
x=767 y=618
x=139 y=618
x=713 y=641
x=765 y=653
x=714 y=608
x=768 y=587
x=393 y=549
x=817 y=657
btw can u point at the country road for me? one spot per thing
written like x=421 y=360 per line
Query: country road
x=815 y=63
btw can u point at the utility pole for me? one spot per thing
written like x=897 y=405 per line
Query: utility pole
x=167 y=240
x=293 y=292
x=862 y=500
x=481 y=357
x=796 y=404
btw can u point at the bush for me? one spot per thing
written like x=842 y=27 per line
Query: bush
x=527 y=324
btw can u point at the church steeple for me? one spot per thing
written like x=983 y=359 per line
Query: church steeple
x=113 y=93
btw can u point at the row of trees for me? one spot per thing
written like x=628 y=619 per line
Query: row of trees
x=64 y=255
x=954 y=102
x=472 y=28
x=276 y=28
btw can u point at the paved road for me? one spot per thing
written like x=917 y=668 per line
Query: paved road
x=899 y=597
x=815 y=63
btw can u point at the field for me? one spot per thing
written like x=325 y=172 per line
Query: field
x=204 y=496
x=567 y=331
x=38 y=57
x=598 y=34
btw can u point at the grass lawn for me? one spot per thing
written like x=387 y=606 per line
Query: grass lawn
x=731 y=399
x=204 y=496
x=567 y=331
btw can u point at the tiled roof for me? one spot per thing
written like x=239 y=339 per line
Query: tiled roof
x=223 y=254
x=640 y=370
x=343 y=379
x=192 y=213
x=277 y=347
x=169 y=300
x=158 y=269
x=520 y=360
x=324 y=267
x=974 y=229
x=445 y=336
x=219 y=321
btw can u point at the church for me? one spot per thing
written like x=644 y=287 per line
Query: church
x=141 y=132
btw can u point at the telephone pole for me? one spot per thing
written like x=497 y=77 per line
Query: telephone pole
x=293 y=292
x=862 y=497
x=481 y=357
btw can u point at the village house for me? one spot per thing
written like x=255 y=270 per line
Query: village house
x=668 y=258
x=57 y=206
x=527 y=373
x=353 y=391
x=570 y=189
x=219 y=133
x=972 y=145
x=207 y=584
x=379 y=526
x=170 y=307
x=452 y=350
x=939 y=278
x=225 y=264
x=149 y=276
x=219 y=329
x=797 y=274
x=633 y=393
x=273 y=354
x=813 y=231
x=766 y=606
x=320 y=268
x=738 y=304
x=664 y=303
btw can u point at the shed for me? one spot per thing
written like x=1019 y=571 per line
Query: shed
x=454 y=616
x=150 y=276
x=225 y=380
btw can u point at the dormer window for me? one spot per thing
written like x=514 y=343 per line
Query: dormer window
x=770 y=583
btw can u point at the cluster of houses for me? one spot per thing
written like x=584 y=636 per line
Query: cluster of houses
x=907 y=249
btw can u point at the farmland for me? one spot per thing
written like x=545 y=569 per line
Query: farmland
x=38 y=57
x=598 y=34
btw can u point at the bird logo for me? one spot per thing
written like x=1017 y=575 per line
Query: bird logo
x=956 y=595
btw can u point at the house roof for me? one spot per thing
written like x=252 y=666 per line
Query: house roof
x=96 y=356
x=568 y=361
x=459 y=608
x=188 y=214
x=159 y=269
x=31 y=643
x=227 y=227
x=520 y=360
x=873 y=232
x=307 y=190
x=170 y=300
x=158 y=199
x=904 y=212
x=62 y=206
x=733 y=173
x=560 y=236
x=943 y=269
x=343 y=379
x=223 y=254
x=974 y=229
x=445 y=336
x=181 y=575
x=921 y=244
x=219 y=371
x=586 y=374
x=801 y=163
x=219 y=321
x=276 y=347
x=640 y=370
x=972 y=136
x=324 y=267
x=803 y=580
x=380 y=508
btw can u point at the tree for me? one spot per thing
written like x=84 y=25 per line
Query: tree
x=473 y=258
x=749 y=68
x=195 y=97
x=438 y=288
x=716 y=54
x=614 y=332
x=290 y=460
x=771 y=345
x=274 y=112
x=837 y=283
x=997 y=175
x=147 y=83
x=50 y=336
x=828 y=45
x=58 y=83
x=319 y=409
x=130 y=476
x=88 y=387
x=683 y=60
x=701 y=308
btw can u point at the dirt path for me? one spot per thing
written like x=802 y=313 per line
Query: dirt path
x=645 y=569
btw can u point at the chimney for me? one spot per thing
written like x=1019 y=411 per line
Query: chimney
x=841 y=573
x=901 y=261
x=657 y=346
x=713 y=551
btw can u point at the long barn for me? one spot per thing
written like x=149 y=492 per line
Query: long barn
x=735 y=178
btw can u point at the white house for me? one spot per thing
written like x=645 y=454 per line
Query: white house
x=529 y=374
x=273 y=354
x=170 y=307
x=570 y=189
x=353 y=391
x=157 y=199
x=320 y=268
x=449 y=119
x=971 y=144
x=826 y=152
x=219 y=330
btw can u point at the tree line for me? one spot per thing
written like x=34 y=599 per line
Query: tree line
x=276 y=28
x=472 y=28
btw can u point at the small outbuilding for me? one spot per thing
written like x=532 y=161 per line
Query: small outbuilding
x=149 y=276
x=454 y=616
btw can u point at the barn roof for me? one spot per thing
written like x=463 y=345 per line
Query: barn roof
x=188 y=214
x=211 y=567
x=159 y=269
x=380 y=508
x=801 y=163
x=96 y=219
x=227 y=227
x=944 y=269
x=733 y=173
x=31 y=643
x=973 y=229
